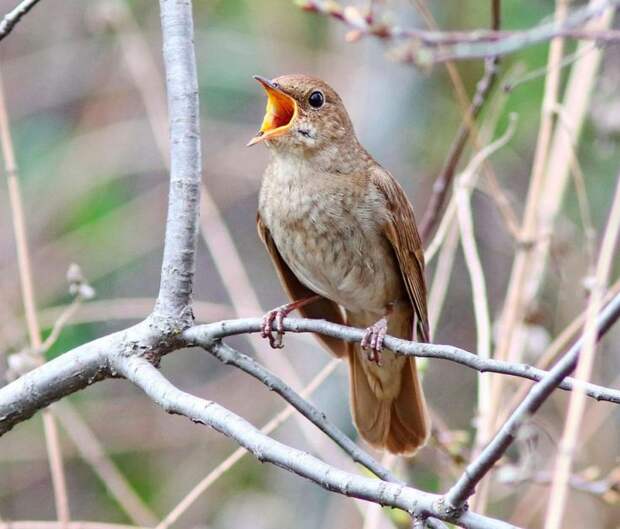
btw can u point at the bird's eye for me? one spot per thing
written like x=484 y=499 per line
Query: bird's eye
x=316 y=99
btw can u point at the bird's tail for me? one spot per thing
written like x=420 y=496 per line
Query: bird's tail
x=387 y=401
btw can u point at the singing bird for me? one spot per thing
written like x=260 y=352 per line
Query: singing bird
x=342 y=237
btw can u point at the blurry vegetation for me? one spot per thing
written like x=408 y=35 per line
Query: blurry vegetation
x=86 y=151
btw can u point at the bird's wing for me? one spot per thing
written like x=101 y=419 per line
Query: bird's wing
x=402 y=233
x=323 y=308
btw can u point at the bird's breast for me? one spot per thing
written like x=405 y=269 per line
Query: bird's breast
x=330 y=237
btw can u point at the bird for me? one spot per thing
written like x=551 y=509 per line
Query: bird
x=342 y=237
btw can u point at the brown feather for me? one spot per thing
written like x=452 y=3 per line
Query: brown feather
x=387 y=402
x=402 y=232
x=323 y=308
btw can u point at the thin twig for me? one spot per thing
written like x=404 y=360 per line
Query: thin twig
x=228 y=355
x=580 y=186
x=462 y=196
x=444 y=179
x=13 y=17
x=477 y=469
x=532 y=75
x=52 y=441
x=577 y=403
x=443 y=272
x=60 y=323
x=423 y=47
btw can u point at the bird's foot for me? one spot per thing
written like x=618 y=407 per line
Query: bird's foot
x=372 y=341
x=273 y=320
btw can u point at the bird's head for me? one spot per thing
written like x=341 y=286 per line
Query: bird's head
x=303 y=115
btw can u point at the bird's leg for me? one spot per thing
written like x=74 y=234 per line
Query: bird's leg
x=372 y=341
x=277 y=315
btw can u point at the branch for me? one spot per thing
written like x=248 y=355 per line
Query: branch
x=89 y=363
x=424 y=47
x=226 y=464
x=228 y=355
x=577 y=404
x=443 y=181
x=266 y=449
x=204 y=334
x=475 y=471
x=13 y=17
x=64 y=375
x=467 y=129
x=178 y=265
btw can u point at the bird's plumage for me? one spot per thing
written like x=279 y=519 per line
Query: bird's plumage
x=336 y=224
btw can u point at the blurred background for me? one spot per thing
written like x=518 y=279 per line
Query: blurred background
x=84 y=92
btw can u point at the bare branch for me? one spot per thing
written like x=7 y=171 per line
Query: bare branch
x=202 y=334
x=442 y=183
x=52 y=442
x=89 y=363
x=178 y=265
x=66 y=374
x=233 y=458
x=585 y=363
x=228 y=355
x=475 y=471
x=428 y=47
x=13 y=17
x=264 y=448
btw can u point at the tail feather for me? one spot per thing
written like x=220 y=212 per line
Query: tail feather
x=410 y=424
x=371 y=415
x=387 y=402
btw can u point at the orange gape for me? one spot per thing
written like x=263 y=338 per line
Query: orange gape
x=343 y=239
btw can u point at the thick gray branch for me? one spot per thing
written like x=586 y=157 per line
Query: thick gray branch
x=215 y=331
x=77 y=369
x=185 y=163
x=59 y=377
x=153 y=338
x=264 y=448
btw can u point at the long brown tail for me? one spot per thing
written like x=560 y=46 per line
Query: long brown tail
x=387 y=401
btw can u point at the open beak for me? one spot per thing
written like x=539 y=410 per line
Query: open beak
x=280 y=112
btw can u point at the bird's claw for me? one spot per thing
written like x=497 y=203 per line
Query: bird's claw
x=372 y=341
x=276 y=315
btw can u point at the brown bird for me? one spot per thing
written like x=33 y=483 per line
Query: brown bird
x=343 y=239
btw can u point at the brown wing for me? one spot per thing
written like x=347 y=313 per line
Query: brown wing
x=323 y=308
x=402 y=232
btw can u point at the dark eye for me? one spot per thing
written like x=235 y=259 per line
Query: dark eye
x=316 y=99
